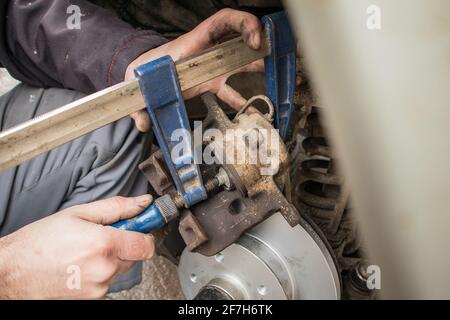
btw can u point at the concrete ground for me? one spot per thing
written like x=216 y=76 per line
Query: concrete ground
x=160 y=279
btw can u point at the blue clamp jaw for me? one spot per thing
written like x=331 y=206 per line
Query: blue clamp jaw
x=159 y=85
x=162 y=94
x=280 y=68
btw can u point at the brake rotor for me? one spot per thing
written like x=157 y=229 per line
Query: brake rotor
x=270 y=261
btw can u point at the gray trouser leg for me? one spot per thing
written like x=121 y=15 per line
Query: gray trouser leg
x=99 y=165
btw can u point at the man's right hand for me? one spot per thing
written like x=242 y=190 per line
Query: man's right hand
x=73 y=254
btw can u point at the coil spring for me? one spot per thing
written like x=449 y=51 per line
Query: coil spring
x=322 y=192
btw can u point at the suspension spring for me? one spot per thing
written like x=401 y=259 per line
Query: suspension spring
x=323 y=193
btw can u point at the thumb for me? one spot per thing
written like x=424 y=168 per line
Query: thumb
x=111 y=210
x=132 y=246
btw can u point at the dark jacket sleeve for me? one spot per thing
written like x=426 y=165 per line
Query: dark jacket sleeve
x=38 y=48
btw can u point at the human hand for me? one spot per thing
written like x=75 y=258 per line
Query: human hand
x=43 y=259
x=206 y=35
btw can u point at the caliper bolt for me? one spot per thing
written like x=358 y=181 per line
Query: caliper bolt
x=221 y=179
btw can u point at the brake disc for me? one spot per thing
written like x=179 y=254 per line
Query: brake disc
x=270 y=261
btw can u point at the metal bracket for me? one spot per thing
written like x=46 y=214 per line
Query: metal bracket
x=162 y=94
x=280 y=68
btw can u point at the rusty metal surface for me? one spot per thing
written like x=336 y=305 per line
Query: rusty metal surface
x=192 y=231
x=211 y=226
x=155 y=171
x=228 y=214
x=248 y=177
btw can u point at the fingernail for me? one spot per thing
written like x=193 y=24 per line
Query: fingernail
x=144 y=200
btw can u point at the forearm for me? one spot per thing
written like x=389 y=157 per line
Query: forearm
x=45 y=52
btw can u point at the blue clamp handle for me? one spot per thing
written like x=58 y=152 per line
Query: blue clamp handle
x=159 y=85
x=162 y=211
x=280 y=68
x=145 y=222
